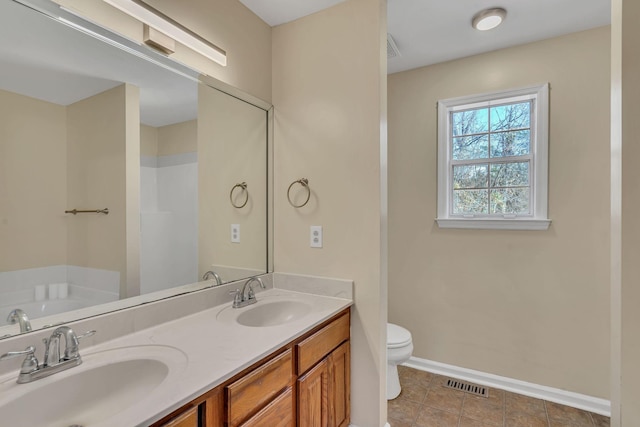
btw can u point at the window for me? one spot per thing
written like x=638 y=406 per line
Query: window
x=492 y=160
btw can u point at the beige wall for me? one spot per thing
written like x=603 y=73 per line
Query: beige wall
x=226 y=23
x=530 y=305
x=98 y=129
x=231 y=149
x=625 y=211
x=178 y=138
x=148 y=141
x=33 y=183
x=329 y=73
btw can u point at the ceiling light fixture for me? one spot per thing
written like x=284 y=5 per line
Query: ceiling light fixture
x=488 y=19
x=156 y=19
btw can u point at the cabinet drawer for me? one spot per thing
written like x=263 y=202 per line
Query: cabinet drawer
x=278 y=413
x=189 y=418
x=254 y=390
x=318 y=345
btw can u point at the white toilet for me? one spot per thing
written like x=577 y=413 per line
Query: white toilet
x=399 y=349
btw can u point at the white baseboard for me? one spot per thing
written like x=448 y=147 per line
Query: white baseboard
x=568 y=398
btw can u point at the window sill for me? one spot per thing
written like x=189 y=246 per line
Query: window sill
x=494 y=224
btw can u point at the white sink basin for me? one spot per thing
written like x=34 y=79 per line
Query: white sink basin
x=273 y=313
x=106 y=384
x=266 y=312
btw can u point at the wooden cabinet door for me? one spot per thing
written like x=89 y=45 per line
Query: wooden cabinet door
x=339 y=400
x=312 y=397
x=316 y=347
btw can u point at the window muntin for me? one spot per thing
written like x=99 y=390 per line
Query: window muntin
x=491 y=189
x=492 y=160
x=499 y=137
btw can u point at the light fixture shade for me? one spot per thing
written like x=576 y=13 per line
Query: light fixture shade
x=488 y=19
x=157 y=40
x=156 y=19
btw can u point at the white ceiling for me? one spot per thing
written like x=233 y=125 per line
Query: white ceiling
x=276 y=12
x=431 y=31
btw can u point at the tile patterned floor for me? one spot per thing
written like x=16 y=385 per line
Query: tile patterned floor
x=425 y=402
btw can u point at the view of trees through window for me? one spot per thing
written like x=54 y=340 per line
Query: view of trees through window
x=491 y=159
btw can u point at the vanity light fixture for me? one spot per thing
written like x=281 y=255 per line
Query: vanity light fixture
x=488 y=19
x=162 y=23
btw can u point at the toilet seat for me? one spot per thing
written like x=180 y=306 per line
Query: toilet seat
x=397 y=336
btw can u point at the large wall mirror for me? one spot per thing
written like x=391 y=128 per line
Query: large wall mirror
x=90 y=121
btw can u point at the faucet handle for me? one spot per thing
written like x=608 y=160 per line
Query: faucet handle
x=237 y=298
x=30 y=363
x=87 y=334
x=11 y=354
x=71 y=350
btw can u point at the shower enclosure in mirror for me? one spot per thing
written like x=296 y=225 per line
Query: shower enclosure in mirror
x=90 y=121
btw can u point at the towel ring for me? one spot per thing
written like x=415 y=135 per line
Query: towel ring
x=305 y=183
x=243 y=187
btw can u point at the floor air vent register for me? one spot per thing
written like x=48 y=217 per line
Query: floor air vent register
x=468 y=387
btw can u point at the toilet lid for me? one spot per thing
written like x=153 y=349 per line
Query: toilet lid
x=397 y=336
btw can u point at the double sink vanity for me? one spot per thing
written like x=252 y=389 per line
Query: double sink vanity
x=283 y=360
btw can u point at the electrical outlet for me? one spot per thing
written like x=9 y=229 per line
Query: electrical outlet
x=235 y=233
x=316 y=236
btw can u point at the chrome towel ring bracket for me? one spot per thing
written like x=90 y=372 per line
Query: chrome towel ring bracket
x=304 y=182
x=243 y=188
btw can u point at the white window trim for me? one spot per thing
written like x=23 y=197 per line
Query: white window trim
x=538 y=220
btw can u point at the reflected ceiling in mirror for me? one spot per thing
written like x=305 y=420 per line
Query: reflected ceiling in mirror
x=90 y=120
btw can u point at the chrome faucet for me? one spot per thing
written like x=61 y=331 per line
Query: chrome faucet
x=52 y=354
x=243 y=297
x=53 y=363
x=20 y=317
x=210 y=273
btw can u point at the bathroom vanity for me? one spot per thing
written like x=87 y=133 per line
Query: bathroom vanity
x=306 y=380
x=282 y=361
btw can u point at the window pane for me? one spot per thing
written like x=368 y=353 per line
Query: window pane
x=471 y=176
x=470 y=202
x=510 y=174
x=471 y=147
x=514 y=143
x=510 y=201
x=470 y=122
x=513 y=116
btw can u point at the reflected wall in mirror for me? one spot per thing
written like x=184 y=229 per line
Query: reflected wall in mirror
x=91 y=125
x=226 y=163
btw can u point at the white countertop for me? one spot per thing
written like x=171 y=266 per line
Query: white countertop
x=214 y=350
